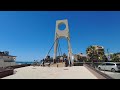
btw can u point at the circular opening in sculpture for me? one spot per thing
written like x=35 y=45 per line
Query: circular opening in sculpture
x=61 y=26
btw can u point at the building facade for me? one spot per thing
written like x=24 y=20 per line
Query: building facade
x=80 y=57
x=6 y=59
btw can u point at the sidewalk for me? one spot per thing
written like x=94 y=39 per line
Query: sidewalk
x=38 y=72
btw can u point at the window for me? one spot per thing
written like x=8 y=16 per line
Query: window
x=110 y=64
x=103 y=64
x=118 y=64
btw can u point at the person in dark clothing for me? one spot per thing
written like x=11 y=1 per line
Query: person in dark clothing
x=34 y=63
x=65 y=62
x=54 y=61
x=43 y=63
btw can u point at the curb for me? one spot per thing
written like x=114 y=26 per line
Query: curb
x=98 y=74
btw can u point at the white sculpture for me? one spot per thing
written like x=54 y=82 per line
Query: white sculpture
x=62 y=34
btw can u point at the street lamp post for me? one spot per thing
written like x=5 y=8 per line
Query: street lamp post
x=108 y=55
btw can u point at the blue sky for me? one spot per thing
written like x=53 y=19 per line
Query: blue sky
x=30 y=34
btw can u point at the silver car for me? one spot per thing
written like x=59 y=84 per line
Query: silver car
x=111 y=66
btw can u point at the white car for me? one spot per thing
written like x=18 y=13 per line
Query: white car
x=111 y=66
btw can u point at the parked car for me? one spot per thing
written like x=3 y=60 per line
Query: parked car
x=111 y=66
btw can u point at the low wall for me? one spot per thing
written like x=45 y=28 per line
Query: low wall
x=10 y=70
x=95 y=64
x=18 y=66
x=6 y=72
x=78 y=64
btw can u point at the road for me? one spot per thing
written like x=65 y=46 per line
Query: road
x=115 y=75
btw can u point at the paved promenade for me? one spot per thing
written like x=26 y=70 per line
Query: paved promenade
x=38 y=72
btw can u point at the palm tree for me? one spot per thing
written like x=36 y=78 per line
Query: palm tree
x=115 y=57
x=92 y=52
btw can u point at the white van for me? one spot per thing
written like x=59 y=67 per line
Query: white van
x=111 y=66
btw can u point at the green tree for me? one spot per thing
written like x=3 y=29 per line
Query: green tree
x=115 y=57
x=92 y=52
